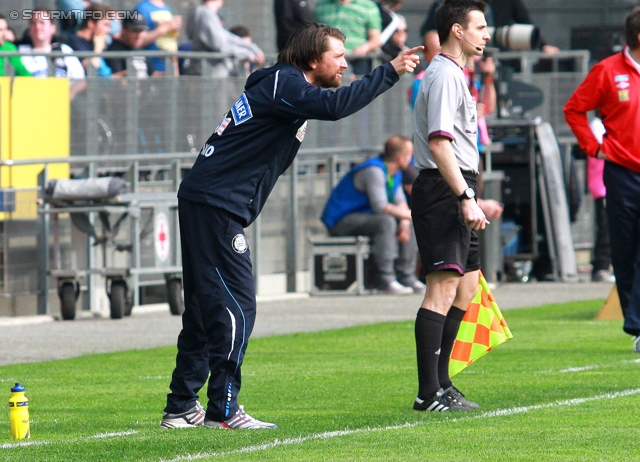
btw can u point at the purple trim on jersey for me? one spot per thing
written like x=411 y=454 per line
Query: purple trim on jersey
x=440 y=133
x=450 y=266
x=450 y=59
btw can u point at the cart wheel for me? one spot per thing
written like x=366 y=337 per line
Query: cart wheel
x=118 y=299
x=175 y=297
x=67 y=301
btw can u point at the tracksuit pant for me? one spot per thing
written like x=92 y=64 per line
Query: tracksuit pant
x=220 y=310
x=623 y=210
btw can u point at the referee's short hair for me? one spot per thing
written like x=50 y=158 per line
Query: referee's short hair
x=307 y=44
x=455 y=12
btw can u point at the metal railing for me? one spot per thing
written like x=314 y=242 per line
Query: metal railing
x=119 y=122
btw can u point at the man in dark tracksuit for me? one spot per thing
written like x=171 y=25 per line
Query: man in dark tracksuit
x=255 y=142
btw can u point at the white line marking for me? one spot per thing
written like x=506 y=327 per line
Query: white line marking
x=23 y=443
x=43 y=442
x=333 y=434
x=113 y=434
x=579 y=369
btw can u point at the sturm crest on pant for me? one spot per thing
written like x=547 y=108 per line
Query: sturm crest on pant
x=239 y=243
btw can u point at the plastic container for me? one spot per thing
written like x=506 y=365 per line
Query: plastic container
x=19 y=413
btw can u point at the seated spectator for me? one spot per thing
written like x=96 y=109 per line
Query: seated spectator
x=290 y=14
x=164 y=29
x=131 y=38
x=398 y=42
x=242 y=67
x=206 y=32
x=6 y=45
x=389 y=16
x=41 y=32
x=370 y=201
x=360 y=21
x=10 y=35
x=71 y=22
x=92 y=36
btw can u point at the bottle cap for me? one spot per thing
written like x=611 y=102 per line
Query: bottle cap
x=17 y=389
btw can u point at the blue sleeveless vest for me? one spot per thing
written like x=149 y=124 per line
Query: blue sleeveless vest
x=346 y=199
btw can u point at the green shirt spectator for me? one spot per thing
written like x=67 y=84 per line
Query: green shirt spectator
x=18 y=67
x=359 y=20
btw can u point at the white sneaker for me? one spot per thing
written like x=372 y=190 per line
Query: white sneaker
x=241 y=420
x=395 y=288
x=418 y=287
x=603 y=276
x=194 y=417
x=636 y=344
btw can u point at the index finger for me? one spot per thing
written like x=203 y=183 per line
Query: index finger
x=414 y=50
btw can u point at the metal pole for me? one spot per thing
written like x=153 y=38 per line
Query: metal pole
x=43 y=246
x=292 y=242
x=132 y=108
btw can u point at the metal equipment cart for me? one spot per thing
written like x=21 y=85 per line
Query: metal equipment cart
x=121 y=283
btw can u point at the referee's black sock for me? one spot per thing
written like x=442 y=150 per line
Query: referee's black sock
x=428 y=331
x=449 y=333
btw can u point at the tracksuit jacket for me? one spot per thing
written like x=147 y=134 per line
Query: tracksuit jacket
x=619 y=103
x=260 y=135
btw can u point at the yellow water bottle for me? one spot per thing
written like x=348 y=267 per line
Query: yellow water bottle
x=19 y=413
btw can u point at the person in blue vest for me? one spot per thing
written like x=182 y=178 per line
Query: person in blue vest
x=370 y=201
x=255 y=142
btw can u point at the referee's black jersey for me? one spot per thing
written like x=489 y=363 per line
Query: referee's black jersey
x=258 y=138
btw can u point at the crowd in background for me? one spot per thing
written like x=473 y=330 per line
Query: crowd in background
x=96 y=27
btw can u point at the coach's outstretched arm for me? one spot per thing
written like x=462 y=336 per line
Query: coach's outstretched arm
x=407 y=60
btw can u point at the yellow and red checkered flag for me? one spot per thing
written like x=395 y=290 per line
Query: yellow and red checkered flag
x=482 y=328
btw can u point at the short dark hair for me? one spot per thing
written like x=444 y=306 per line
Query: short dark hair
x=394 y=146
x=240 y=30
x=101 y=11
x=3 y=16
x=632 y=28
x=307 y=44
x=455 y=12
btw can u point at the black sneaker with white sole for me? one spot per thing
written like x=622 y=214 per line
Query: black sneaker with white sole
x=440 y=402
x=457 y=396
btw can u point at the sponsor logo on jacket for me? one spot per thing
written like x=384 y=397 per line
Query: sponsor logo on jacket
x=241 y=111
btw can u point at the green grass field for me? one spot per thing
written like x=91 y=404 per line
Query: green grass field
x=564 y=388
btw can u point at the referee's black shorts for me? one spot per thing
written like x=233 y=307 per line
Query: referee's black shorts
x=445 y=241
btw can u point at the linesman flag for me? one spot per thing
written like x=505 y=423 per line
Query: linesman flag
x=482 y=328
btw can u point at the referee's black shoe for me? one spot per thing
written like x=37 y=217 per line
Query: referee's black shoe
x=440 y=402
x=457 y=396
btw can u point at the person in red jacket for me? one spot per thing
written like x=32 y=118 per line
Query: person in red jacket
x=613 y=87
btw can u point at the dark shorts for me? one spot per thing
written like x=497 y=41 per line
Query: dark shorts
x=445 y=241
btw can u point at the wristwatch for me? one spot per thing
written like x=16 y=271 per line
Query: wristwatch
x=467 y=194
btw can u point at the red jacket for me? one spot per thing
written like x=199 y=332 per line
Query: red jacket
x=613 y=86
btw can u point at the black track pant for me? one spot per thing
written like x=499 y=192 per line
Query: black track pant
x=220 y=309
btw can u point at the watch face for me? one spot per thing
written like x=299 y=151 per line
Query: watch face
x=467 y=194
